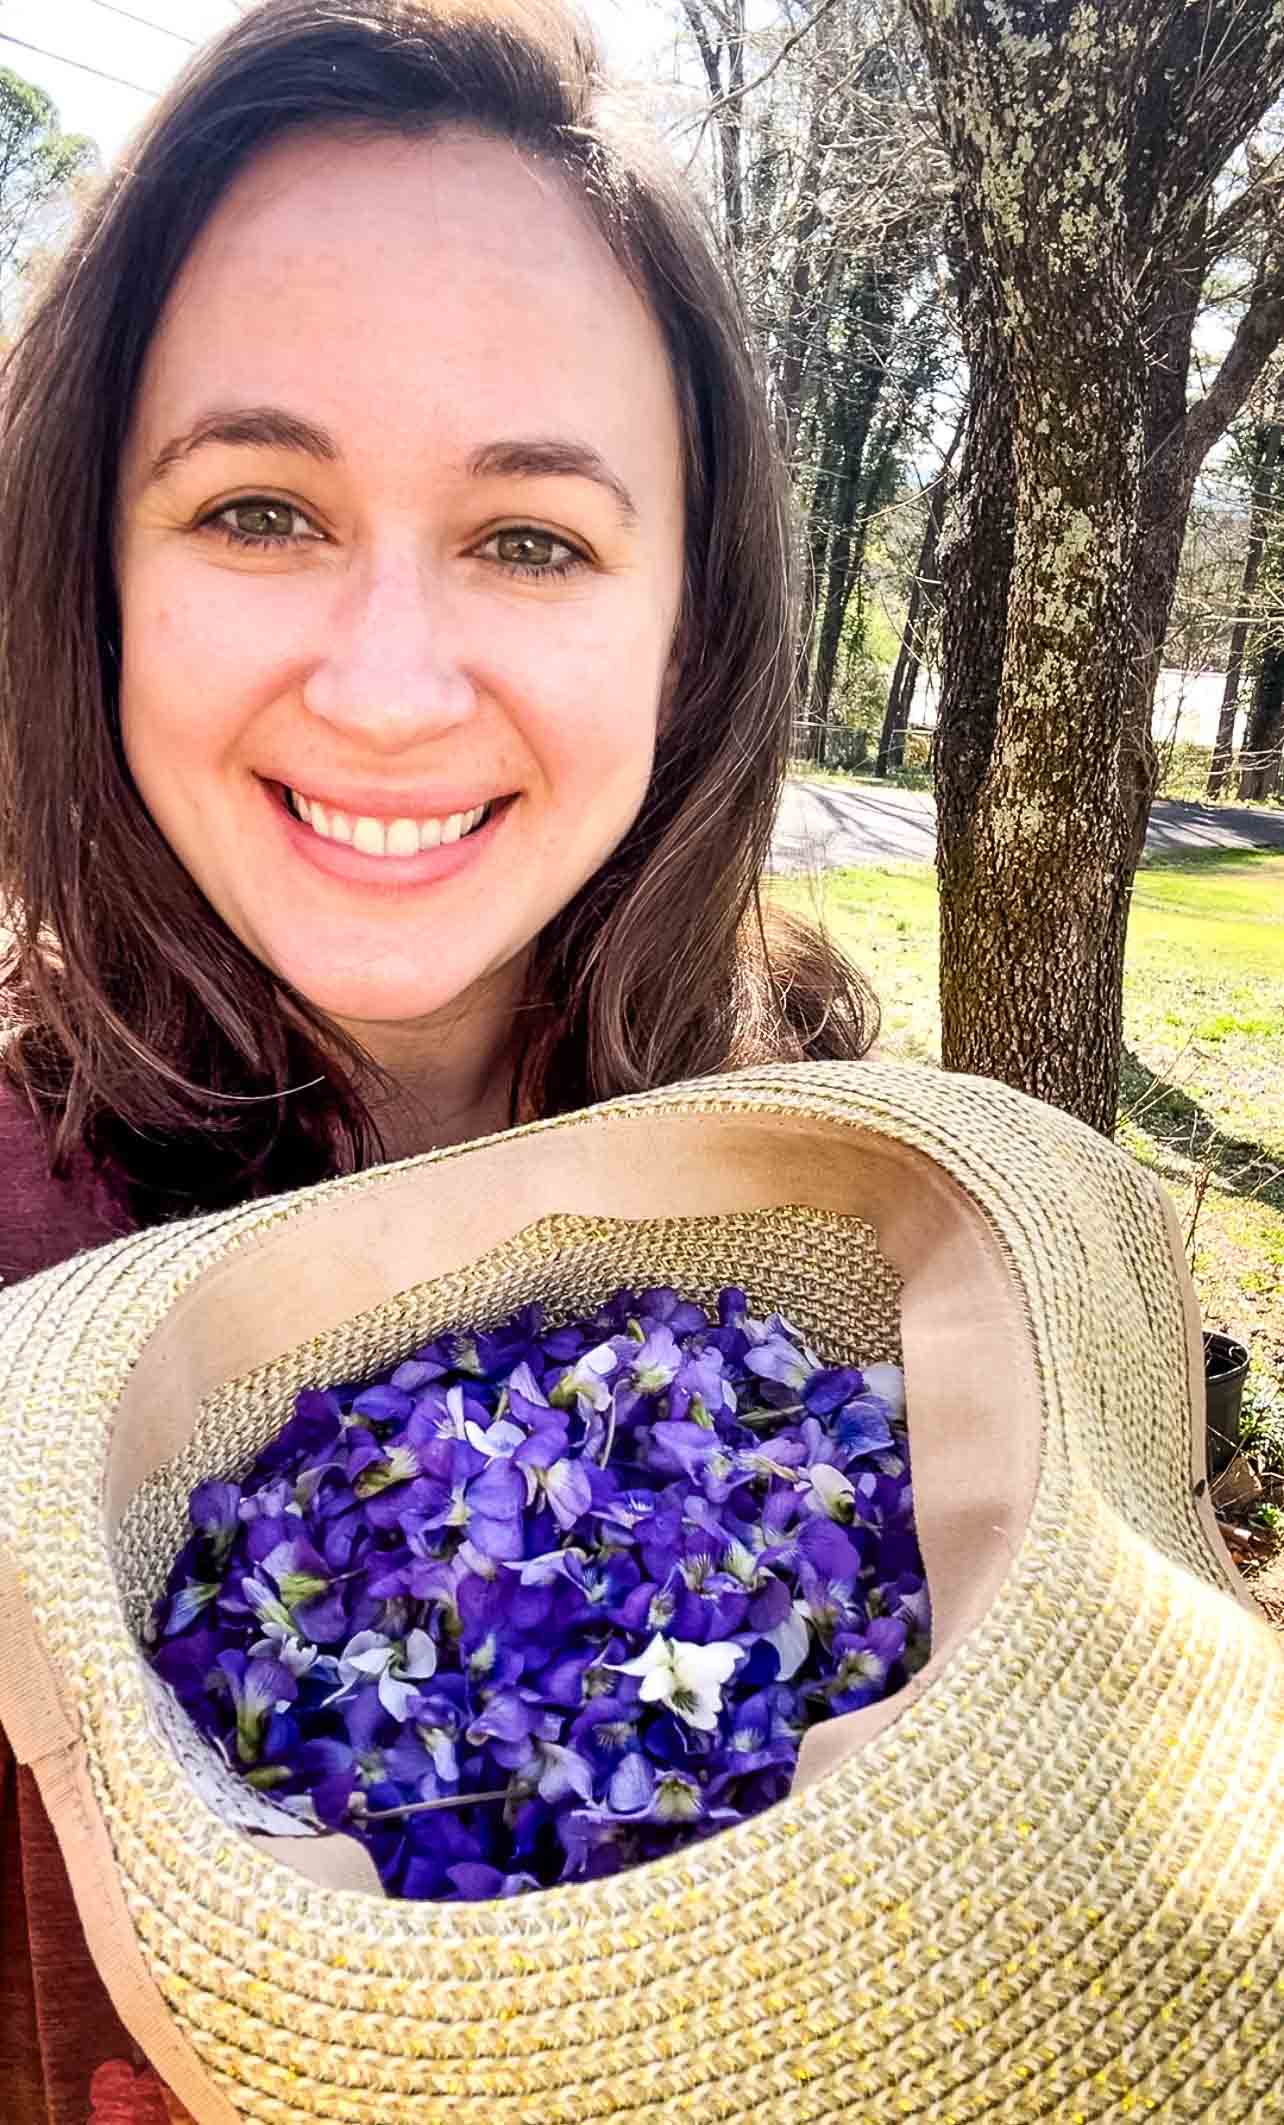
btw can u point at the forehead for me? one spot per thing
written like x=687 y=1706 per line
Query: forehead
x=407 y=294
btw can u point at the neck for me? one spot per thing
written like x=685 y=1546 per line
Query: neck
x=445 y=1080
x=414 y=1118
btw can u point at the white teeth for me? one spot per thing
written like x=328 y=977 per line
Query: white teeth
x=402 y=838
x=368 y=837
x=375 y=837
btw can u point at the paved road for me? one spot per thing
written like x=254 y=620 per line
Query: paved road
x=825 y=825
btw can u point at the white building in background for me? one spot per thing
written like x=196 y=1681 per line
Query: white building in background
x=1188 y=703
x=1189 y=700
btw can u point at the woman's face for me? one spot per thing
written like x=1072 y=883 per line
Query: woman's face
x=399 y=536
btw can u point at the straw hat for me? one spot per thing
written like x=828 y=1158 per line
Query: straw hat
x=1046 y=1881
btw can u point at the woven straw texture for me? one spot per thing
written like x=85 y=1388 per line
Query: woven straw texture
x=1052 y=1888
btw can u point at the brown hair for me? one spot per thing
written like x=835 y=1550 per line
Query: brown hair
x=139 y=1024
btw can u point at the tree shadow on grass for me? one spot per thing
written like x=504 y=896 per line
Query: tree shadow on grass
x=1172 y=1118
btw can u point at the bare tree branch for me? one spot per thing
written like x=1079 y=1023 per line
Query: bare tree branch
x=710 y=58
x=1258 y=202
x=747 y=88
x=1259 y=333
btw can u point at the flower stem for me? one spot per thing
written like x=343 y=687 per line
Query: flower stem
x=426 y=1807
x=610 y=1436
x=754 y=1417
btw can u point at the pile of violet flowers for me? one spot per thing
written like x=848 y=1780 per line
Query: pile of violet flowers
x=540 y=1604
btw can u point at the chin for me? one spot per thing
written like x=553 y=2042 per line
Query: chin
x=369 y=1002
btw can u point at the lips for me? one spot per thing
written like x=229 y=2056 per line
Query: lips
x=388 y=863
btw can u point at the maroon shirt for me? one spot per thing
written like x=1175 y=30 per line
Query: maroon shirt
x=65 y=2058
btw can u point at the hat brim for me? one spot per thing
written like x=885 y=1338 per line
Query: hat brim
x=1029 y=1283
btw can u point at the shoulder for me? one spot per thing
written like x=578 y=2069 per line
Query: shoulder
x=43 y=1220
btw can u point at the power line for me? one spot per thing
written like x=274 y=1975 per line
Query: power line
x=145 y=22
x=80 y=64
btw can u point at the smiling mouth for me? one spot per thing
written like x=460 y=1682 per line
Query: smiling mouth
x=387 y=837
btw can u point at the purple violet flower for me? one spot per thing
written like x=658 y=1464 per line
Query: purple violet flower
x=257 y=1689
x=538 y=1603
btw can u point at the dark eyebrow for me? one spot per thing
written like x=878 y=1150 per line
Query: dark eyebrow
x=261 y=427
x=271 y=428
x=535 y=460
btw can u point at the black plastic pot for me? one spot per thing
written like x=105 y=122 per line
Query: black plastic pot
x=1225 y=1371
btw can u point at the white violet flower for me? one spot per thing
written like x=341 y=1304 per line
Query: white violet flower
x=688 y=1678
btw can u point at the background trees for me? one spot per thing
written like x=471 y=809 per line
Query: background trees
x=828 y=183
x=39 y=164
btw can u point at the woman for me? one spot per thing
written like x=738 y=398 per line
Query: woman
x=396 y=685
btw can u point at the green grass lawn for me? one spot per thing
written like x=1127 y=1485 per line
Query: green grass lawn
x=1202 y=1096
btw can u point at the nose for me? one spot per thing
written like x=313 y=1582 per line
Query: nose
x=390 y=675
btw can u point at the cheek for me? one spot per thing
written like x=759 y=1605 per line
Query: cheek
x=598 y=705
x=190 y=673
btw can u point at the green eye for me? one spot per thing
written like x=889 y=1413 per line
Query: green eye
x=524 y=550
x=530 y=549
x=261 y=520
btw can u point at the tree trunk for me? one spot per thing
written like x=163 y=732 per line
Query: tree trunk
x=855 y=405
x=1032 y=832
x=837 y=592
x=1259 y=759
x=798 y=328
x=716 y=32
x=731 y=129
x=1167 y=485
x=924 y=590
x=1269 y=441
x=900 y=696
x=806 y=280
x=818 y=536
x=1257 y=534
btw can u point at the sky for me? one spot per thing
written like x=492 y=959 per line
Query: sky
x=145 y=54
